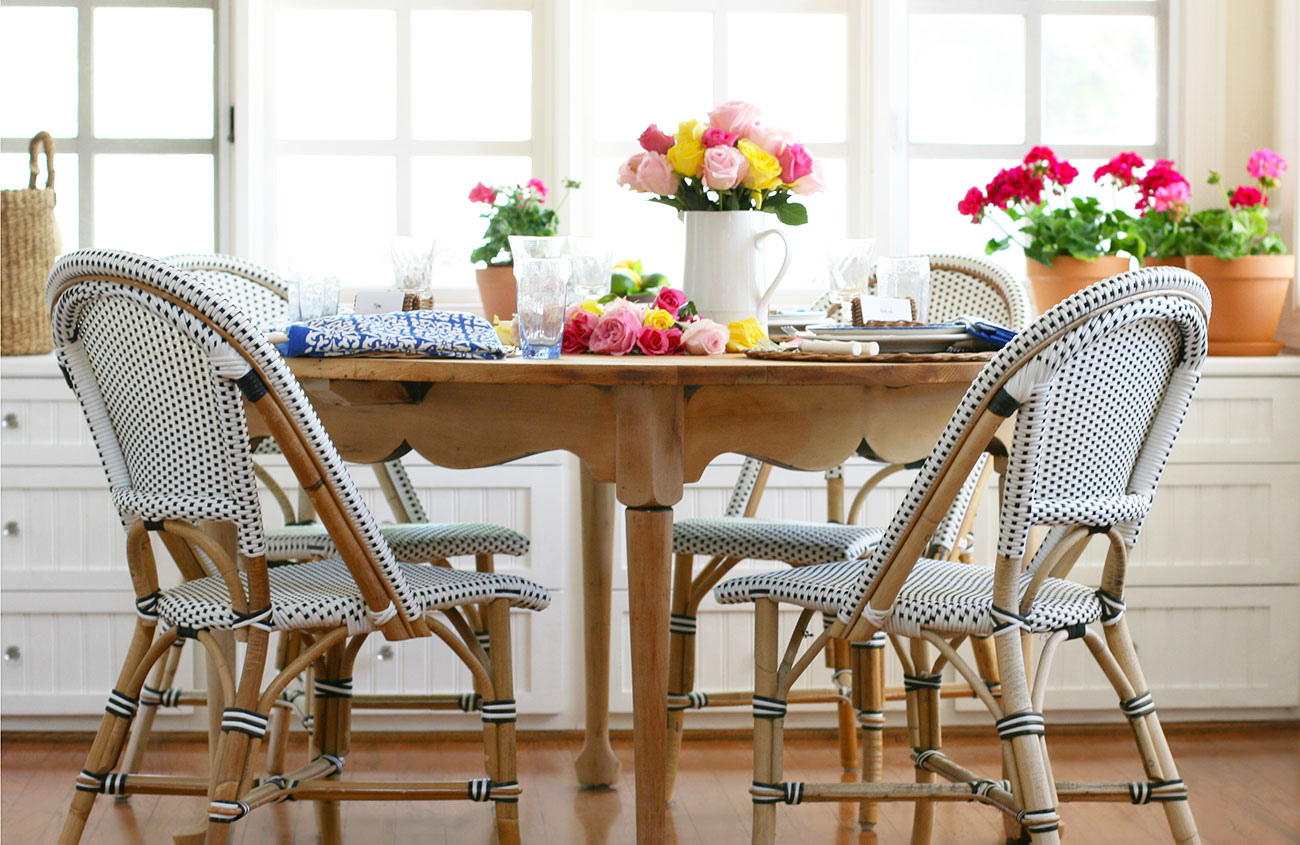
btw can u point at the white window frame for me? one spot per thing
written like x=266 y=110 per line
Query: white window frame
x=86 y=146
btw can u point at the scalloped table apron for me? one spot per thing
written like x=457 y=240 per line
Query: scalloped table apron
x=643 y=427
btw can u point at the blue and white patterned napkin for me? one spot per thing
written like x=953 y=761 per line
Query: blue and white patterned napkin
x=441 y=334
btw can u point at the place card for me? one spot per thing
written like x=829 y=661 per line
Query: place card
x=885 y=308
x=379 y=301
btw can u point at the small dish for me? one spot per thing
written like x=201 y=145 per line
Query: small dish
x=897 y=338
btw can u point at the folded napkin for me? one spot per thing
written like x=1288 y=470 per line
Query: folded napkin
x=442 y=334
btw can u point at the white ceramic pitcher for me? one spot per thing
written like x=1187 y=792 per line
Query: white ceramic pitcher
x=724 y=264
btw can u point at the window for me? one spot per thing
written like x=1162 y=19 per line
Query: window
x=716 y=51
x=138 y=162
x=377 y=121
x=987 y=81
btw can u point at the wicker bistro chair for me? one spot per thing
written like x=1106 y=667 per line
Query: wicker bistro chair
x=960 y=286
x=262 y=296
x=1099 y=386
x=164 y=370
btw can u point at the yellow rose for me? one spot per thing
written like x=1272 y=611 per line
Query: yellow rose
x=690 y=130
x=764 y=170
x=507 y=332
x=593 y=306
x=686 y=157
x=658 y=318
x=745 y=334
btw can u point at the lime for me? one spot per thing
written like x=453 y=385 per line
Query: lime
x=623 y=281
x=654 y=280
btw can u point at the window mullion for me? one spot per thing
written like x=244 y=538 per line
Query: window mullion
x=86 y=124
x=403 y=199
x=1034 y=77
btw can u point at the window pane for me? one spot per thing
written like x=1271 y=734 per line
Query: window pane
x=636 y=86
x=784 y=96
x=154 y=204
x=338 y=212
x=153 y=73
x=807 y=279
x=443 y=46
x=67 y=189
x=446 y=213
x=1099 y=77
x=638 y=227
x=38 y=61
x=935 y=188
x=335 y=74
x=966 y=79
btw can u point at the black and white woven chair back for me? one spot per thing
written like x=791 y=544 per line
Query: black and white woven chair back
x=157 y=360
x=1102 y=382
x=965 y=286
x=261 y=294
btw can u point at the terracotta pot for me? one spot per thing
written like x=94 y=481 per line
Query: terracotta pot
x=496 y=289
x=1248 y=296
x=1068 y=276
x=1172 y=261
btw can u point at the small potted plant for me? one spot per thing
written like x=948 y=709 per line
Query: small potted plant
x=514 y=210
x=1070 y=242
x=1245 y=266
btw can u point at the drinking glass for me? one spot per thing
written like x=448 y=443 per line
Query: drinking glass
x=906 y=278
x=313 y=292
x=528 y=246
x=413 y=264
x=849 y=263
x=593 y=262
x=542 y=285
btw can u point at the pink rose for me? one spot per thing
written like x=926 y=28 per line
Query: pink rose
x=654 y=140
x=656 y=175
x=771 y=139
x=482 y=193
x=1266 y=164
x=795 y=163
x=670 y=300
x=812 y=183
x=735 y=116
x=636 y=309
x=715 y=137
x=580 y=324
x=724 y=167
x=705 y=337
x=615 y=334
x=536 y=185
x=674 y=340
x=570 y=345
x=627 y=171
x=1171 y=197
x=653 y=341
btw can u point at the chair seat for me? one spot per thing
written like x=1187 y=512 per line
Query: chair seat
x=412 y=542
x=322 y=594
x=944 y=596
x=765 y=539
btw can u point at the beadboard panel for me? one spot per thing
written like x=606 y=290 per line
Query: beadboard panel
x=70 y=651
x=1200 y=648
x=44 y=425
x=1241 y=420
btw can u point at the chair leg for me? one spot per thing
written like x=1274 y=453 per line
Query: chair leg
x=1157 y=759
x=329 y=736
x=235 y=748
x=869 y=698
x=109 y=740
x=844 y=707
x=504 y=769
x=924 y=733
x=164 y=674
x=277 y=741
x=1022 y=746
x=681 y=661
x=767 y=732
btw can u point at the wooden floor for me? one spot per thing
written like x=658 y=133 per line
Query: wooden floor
x=1245 y=788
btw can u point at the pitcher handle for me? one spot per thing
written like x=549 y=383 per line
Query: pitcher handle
x=766 y=299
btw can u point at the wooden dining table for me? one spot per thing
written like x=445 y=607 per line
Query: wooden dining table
x=642 y=427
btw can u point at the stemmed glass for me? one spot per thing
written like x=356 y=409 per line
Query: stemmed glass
x=593 y=262
x=849 y=263
x=413 y=264
x=906 y=278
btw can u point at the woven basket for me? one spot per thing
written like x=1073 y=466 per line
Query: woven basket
x=29 y=243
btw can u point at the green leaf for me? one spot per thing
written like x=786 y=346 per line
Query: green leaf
x=996 y=245
x=792 y=213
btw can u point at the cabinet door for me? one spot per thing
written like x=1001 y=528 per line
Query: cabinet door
x=43 y=424
x=1241 y=420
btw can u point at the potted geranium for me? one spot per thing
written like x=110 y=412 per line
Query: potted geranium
x=1230 y=247
x=1069 y=242
x=514 y=210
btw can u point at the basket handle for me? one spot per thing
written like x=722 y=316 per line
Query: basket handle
x=41 y=139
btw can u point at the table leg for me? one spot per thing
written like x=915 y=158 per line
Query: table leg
x=649 y=543
x=596 y=765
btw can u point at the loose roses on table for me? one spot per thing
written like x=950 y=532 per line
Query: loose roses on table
x=619 y=326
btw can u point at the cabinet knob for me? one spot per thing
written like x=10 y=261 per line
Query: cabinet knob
x=9 y=421
x=10 y=529
x=385 y=653
x=12 y=653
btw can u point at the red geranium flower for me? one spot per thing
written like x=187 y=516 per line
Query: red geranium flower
x=1161 y=175
x=1247 y=197
x=1120 y=168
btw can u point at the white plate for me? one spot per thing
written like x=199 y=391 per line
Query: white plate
x=896 y=338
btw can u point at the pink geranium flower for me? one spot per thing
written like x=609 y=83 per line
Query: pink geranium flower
x=1171 y=197
x=1266 y=164
x=655 y=140
x=1160 y=176
x=536 y=185
x=482 y=193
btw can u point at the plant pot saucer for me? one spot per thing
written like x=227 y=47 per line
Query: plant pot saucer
x=1246 y=348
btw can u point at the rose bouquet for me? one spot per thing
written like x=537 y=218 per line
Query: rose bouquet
x=619 y=326
x=731 y=163
x=1031 y=195
x=514 y=210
